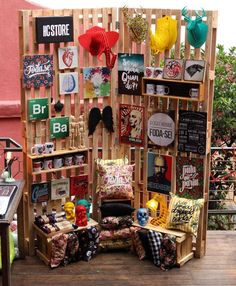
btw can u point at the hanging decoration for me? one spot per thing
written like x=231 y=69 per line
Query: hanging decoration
x=196 y=29
x=137 y=25
x=165 y=35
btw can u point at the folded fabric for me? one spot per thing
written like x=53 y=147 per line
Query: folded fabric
x=168 y=253
x=155 y=241
x=59 y=243
x=114 y=244
x=143 y=235
x=71 y=248
x=113 y=222
x=115 y=234
x=137 y=243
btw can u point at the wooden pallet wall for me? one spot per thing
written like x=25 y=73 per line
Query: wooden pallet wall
x=110 y=19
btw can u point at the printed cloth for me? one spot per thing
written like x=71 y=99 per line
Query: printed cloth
x=112 y=222
x=155 y=241
x=59 y=243
x=115 y=244
x=115 y=234
x=137 y=243
x=168 y=253
x=71 y=248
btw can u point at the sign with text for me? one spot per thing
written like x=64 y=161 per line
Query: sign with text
x=60 y=189
x=40 y=192
x=189 y=177
x=37 y=71
x=192 y=131
x=54 y=29
x=59 y=127
x=38 y=109
x=130 y=73
x=161 y=129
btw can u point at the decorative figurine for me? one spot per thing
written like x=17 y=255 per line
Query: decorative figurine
x=142 y=216
x=81 y=217
x=73 y=131
x=86 y=204
x=81 y=131
x=69 y=210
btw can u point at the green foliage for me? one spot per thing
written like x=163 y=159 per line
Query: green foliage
x=224 y=105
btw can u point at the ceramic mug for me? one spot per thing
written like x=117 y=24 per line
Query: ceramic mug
x=193 y=92
x=149 y=72
x=79 y=159
x=58 y=163
x=38 y=149
x=47 y=164
x=158 y=72
x=68 y=160
x=150 y=88
x=49 y=147
x=162 y=89
x=37 y=166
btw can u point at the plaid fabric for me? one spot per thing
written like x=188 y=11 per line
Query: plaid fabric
x=155 y=241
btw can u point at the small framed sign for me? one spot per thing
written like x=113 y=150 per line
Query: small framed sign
x=38 y=109
x=68 y=57
x=37 y=71
x=40 y=192
x=54 y=29
x=59 y=127
x=68 y=82
x=194 y=70
x=173 y=69
x=60 y=189
x=79 y=185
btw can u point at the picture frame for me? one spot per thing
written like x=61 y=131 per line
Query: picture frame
x=68 y=83
x=173 y=69
x=194 y=70
x=60 y=188
x=68 y=57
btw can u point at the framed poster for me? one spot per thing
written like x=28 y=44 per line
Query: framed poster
x=97 y=82
x=189 y=177
x=68 y=83
x=79 y=185
x=194 y=70
x=68 y=57
x=192 y=131
x=60 y=189
x=37 y=71
x=161 y=128
x=159 y=174
x=38 y=108
x=173 y=69
x=40 y=192
x=59 y=127
x=131 y=124
x=130 y=73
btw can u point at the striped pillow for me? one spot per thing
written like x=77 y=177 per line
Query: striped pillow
x=184 y=214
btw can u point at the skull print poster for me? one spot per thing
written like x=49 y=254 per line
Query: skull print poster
x=131 y=124
x=189 y=177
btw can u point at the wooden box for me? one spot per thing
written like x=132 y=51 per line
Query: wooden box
x=184 y=245
x=44 y=240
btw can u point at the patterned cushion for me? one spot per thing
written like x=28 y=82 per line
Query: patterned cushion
x=113 y=222
x=116 y=209
x=115 y=233
x=137 y=243
x=184 y=214
x=155 y=240
x=113 y=244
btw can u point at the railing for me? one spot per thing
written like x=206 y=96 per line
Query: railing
x=222 y=194
x=10 y=161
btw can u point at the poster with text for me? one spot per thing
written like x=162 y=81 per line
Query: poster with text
x=97 y=82
x=130 y=73
x=40 y=192
x=37 y=71
x=192 y=131
x=161 y=128
x=131 y=124
x=159 y=174
x=189 y=177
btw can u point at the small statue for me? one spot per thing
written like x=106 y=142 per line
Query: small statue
x=69 y=210
x=81 y=131
x=86 y=204
x=73 y=131
x=81 y=217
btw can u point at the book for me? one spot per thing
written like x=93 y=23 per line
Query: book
x=6 y=195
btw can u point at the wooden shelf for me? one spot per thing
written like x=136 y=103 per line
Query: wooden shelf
x=178 y=89
x=57 y=153
x=59 y=169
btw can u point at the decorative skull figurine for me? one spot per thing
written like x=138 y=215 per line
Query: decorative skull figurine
x=142 y=216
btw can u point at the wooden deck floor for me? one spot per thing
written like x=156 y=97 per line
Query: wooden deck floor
x=218 y=267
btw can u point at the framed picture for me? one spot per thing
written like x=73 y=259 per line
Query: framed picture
x=40 y=192
x=68 y=57
x=159 y=173
x=60 y=189
x=68 y=82
x=131 y=127
x=173 y=69
x=79 y=185
x=194 y=70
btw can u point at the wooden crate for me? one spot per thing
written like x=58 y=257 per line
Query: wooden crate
x=44 y=241
x=184 y=246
